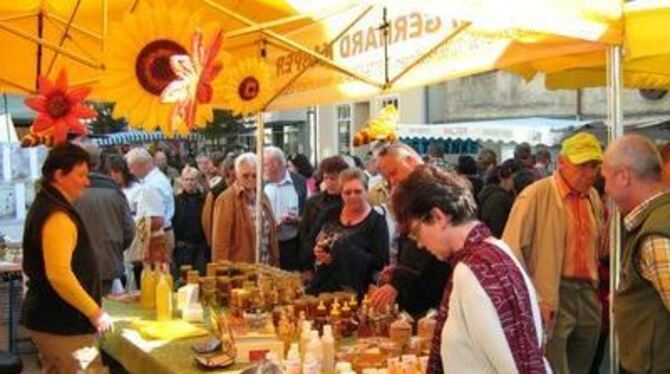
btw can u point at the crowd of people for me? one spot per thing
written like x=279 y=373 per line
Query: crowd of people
x=510 y=253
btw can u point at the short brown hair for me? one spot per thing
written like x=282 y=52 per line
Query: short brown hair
x=429 y=187
x=333 y=165
x=351 y=174
x=64 y=157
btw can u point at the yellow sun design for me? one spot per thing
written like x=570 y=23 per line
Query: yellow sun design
x=246 y=87
x=137 y=67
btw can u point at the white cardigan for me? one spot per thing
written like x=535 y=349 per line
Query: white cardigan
x=473 y=340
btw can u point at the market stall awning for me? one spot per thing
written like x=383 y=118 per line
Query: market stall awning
x=318 y=52
x=535 y=130
x=138 y=137
x=646 y=61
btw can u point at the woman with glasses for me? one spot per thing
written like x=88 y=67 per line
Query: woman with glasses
x=352 y=246
x=489 y=320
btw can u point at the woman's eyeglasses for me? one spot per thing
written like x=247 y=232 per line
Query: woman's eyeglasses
x=352 y=192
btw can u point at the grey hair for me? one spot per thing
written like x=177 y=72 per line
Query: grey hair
x=244 y=158
x=276 y=153
x=400 y=150
x=638 y=154
x=138 y=155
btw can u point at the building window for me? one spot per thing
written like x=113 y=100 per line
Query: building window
x=343 y=118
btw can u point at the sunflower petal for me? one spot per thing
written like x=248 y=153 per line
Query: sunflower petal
x=42 y=122
x=60 y=133
x=61 y=81
x=78 y=94
x=75 y=125
x=82 y=111
x=37 y=103
x=46 y=87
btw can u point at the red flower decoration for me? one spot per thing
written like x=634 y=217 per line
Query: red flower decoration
x=60 y=110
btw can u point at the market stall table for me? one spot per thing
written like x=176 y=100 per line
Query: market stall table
x=139 y=355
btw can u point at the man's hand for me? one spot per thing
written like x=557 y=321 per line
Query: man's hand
x=307 y=276
x=322 y=256
x=383 y=296
x=548 y=317
x=386 y=274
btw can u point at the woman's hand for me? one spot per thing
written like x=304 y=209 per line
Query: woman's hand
x=102 y=322
x=322 y=256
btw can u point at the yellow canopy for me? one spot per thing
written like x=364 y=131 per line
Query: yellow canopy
x=316 y=52
x=646 y=58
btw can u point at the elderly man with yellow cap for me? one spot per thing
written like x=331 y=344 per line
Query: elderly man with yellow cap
x=556 y=228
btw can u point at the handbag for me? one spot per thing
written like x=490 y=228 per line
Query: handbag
x=140 y=244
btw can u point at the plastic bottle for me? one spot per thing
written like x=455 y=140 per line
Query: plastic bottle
x=168 y=275
x=310 y=365
x=328 y=347
x=315 y=347
x=148 y=287
x=293 y=364
x=304 y=337
x=163 y=298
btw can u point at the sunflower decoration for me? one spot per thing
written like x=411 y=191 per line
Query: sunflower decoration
x=193 y=85
x=137 y=60
x=381 y=128
x=246 y=88
x=60 y=111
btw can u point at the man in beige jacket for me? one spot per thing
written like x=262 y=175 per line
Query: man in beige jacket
x=234 y=227
x=556 y=229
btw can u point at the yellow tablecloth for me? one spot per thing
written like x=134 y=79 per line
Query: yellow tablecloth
x=139 y=355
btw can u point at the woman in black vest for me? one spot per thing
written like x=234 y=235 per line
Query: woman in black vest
x=61 y=309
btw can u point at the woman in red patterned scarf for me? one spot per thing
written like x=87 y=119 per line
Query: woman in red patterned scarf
x=489 y=321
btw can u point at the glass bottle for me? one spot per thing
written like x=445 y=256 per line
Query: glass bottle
x=163 y=297
x=148 y=287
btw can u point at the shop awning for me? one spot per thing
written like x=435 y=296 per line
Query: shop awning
x=535 y=130
x=138 y=137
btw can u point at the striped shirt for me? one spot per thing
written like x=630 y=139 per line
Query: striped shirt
x=654 y=251
x=265 y=239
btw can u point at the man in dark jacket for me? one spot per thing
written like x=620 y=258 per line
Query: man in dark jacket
x=417 y=281
x=191 y=246
x=106 y=215
x=497 y=197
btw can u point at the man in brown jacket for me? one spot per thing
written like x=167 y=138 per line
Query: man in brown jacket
x=555 y=228
x=234 y=232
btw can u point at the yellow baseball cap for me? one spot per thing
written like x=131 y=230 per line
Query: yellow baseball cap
x=582 y=147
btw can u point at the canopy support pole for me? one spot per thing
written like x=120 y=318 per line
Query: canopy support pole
x=296 y=46
x=615 y=119
x=64 y=36
x=74 y=26
x=18 y=86
x=311 y=64
x=49 y=45
x=260 y=143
